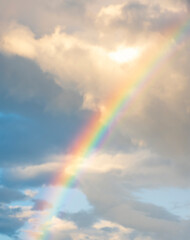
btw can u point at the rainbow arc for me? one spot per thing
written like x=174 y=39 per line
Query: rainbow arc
x=94 y=135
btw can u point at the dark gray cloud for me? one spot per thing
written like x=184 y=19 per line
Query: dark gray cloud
x=8 y=195
x=53 y=13
x=34 y=117
x=35 y=180
x=9 y=222
x=139 y=21
x=154 y=211
x=139 y=18
x=145 y=218
x=82 y=219
x=163 y=122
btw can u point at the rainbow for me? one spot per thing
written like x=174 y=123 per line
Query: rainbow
x=93 y=136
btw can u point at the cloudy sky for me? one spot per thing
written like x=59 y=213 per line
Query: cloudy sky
x=66 y=62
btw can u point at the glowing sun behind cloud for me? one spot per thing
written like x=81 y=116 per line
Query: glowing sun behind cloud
x=123 y=55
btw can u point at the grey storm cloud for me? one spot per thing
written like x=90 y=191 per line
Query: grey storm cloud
x=53 y=13
x=82 y=219
x=8 y=195
x=31 y=121
x=145 y=218
x=138 y=20
x=9 y=223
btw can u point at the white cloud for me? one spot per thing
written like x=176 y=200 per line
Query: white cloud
x=106 y=224
x=108 y=13
x=25 y=212
x=61 y=229
x=19 y=41
x=61 y=225
x=138 y=169
x=76 y=63
x=30 y=193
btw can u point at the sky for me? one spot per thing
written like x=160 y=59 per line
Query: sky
x=94 y=120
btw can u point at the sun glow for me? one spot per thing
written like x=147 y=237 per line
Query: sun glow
x=123 y=55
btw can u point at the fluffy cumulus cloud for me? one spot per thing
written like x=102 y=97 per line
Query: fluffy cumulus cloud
x=63 y=62
x=70 y=55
